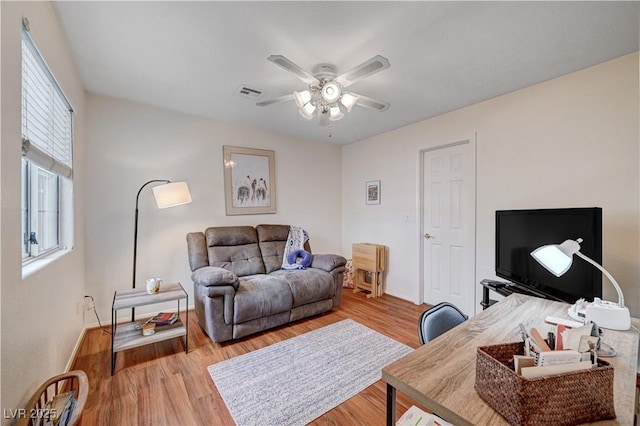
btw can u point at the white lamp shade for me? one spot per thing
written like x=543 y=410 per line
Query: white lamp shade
x=171 y=194
x=348 y=100
x=302 y=98
x=307 y=110
x=553 y=259
x=335 y=113
x=557 y=258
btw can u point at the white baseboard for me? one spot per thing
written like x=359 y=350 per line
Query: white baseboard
x=76 y=348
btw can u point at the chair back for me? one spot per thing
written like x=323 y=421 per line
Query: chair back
x=75 y=381
x=438 y=320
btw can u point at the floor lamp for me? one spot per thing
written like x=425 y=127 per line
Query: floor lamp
x=168 y=194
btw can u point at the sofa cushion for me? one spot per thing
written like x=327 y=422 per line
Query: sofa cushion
x=272 y=239
x=234 y=248
x=260 y=296
x=230 y=235
x=211 y=276
x=307 y=285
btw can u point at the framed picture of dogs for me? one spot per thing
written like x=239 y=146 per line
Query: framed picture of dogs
x=249 y=180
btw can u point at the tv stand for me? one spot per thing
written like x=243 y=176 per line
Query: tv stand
x=505 y=288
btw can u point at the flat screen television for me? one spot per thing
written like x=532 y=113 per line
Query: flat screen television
x=519 y=232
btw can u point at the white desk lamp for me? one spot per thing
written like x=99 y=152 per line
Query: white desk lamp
x=557 y=259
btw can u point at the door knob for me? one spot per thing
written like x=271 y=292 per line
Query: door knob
x=428 y=236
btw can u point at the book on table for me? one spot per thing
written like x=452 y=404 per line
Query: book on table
x=164 y=318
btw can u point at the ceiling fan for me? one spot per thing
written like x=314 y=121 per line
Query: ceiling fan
x=325 y=95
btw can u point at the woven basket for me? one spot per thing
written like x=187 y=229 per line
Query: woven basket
x=560 y=400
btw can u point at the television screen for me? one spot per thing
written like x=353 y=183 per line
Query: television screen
x=519 y=232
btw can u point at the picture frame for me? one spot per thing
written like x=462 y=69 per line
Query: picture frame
x=372 y=194
x=249 y=180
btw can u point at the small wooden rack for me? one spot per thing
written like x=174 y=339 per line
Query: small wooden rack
x=369 y=265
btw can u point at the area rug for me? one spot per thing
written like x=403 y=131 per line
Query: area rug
x=296 y=381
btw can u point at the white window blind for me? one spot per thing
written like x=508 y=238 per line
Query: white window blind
x=47 y=115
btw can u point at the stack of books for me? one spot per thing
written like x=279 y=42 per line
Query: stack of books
x=163 y=318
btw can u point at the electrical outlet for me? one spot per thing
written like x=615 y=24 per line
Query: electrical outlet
x=89 y=304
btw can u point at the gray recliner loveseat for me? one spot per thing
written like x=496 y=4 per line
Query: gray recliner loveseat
x=240 y=288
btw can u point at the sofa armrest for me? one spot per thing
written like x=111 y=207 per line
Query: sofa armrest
x=328 y=262
x=214 y=309
x=211 y=276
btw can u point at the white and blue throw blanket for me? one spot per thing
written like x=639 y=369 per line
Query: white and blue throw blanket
x=295 y=241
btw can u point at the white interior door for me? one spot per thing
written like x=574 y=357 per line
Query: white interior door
x=448 y=212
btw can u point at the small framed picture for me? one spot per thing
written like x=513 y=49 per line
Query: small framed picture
x=373 y=192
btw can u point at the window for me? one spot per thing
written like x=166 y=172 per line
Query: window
x=47 y=158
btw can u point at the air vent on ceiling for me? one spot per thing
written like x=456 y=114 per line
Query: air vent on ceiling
x=249 y=93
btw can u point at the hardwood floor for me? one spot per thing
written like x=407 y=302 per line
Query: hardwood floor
x=161 y=385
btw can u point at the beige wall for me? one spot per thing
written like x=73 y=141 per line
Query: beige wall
x=129 y=144
x=578 y=135
x=40 y=323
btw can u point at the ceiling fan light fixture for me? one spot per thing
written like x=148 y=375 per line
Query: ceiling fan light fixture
x=302 y=98
x=348 y=100
x=307 y=110
x=335 y=113
x=331 y=92
x=324 y=97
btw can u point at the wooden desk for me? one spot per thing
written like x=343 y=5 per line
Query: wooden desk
x=440 y=375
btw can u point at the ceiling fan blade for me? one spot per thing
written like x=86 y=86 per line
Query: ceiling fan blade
x=365 y=69
x=371 y=103
x=301 y=73
x=275 y=100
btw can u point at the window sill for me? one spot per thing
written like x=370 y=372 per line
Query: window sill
x=34 y=266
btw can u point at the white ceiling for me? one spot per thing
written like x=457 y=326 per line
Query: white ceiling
x=193 y=57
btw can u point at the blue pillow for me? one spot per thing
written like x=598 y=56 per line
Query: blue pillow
x=305 y=255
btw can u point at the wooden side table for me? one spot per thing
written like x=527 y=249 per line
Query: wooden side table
x=369 y=265
x=129 y=335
